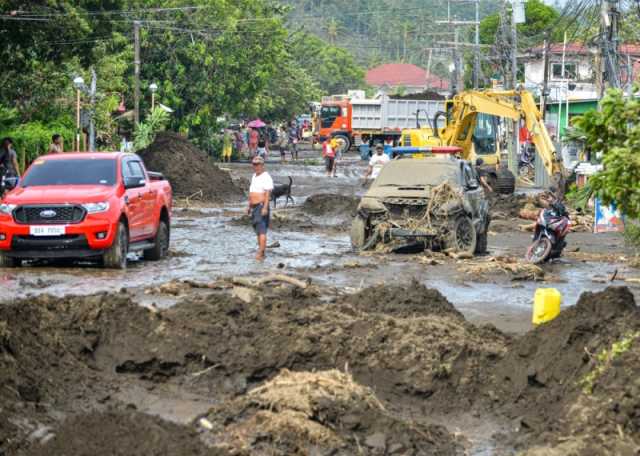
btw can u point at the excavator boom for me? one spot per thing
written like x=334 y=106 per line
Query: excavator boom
x=510 y=104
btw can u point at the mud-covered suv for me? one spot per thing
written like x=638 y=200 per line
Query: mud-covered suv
x=434 y=202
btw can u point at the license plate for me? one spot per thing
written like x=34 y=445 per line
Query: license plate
x=54 y=230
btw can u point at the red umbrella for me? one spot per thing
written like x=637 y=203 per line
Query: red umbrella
x=256 y=124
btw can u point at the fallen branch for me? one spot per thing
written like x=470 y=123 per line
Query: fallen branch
x=254 y=283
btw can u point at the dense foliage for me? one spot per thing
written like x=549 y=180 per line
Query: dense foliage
x=613 y=134
x=211 y=59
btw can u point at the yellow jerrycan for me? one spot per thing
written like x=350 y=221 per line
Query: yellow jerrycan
x=546 y=305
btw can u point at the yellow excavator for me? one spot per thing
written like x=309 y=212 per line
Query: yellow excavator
x=471 y=123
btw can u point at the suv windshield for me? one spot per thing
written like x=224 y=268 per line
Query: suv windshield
x=71 y=172
x=419 y=172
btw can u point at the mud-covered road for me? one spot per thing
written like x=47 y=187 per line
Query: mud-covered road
x=372 y=354
x=210 y=241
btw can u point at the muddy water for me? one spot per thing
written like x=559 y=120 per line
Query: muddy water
x=205 y=245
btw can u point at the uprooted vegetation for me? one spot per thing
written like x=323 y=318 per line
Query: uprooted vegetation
x=271 y=367
x=327 y=411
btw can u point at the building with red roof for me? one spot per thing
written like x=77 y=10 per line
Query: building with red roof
x=406 y=76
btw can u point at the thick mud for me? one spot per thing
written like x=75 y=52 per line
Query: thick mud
x=190 y=171
x=293 y=372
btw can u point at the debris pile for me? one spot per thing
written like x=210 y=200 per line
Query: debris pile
x=191 y=172
x=547 y=377
x=515 y=268
x=326 y=411
x=328 y=204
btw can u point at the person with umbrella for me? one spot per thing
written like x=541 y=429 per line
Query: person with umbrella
x=254 y=135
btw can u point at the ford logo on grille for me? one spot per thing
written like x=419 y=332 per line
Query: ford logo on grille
x=48 y=213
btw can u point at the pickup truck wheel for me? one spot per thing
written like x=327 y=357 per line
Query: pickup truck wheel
x=9 y=262
x=160 y=245
x=116 y=256
x=463 y=237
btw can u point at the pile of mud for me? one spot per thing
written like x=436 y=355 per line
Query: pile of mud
x=190 y=170
x=330 y=204
x=414 y=299
x=319 y=413
x=547 y=378
x=507 y=206
x=122 y=433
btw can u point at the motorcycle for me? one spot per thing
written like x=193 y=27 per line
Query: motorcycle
x=552 y=227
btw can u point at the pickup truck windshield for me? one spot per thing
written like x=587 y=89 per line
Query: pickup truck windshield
x=71 y=172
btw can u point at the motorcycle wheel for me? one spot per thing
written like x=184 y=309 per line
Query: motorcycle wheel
x=539 y=251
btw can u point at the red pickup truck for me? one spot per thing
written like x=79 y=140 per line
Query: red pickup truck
x=86 y=205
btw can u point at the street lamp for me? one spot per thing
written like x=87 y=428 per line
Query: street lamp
x=78 y=82
x=153 y=88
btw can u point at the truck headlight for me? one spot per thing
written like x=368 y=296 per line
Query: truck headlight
x=7 y=208
x=94 y=208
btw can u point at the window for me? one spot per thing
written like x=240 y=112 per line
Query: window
x=65 y=172
x=136 y=169
x=570 y=71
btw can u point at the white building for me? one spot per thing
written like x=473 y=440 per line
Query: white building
x=579 y=79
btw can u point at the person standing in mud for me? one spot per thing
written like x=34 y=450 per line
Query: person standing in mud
x=259 y=197
x=376 y=163
x=254 y=137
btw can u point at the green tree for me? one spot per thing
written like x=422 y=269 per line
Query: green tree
x=332 y=68
x=539 y=18
x=613 y=133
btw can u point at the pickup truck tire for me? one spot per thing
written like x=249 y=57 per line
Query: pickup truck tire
x=116 y=256
x=160 y=244
x=462 y=236
x=9 y=262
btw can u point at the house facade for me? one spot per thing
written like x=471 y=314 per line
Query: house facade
x=572 y=87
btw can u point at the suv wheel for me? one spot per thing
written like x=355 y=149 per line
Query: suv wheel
x=9 y=262
x=160 y=245
x=481 y=243
x=116 y=256
x=463 y=237
x=358 y=232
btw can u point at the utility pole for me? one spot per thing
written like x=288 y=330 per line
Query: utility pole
x=517 y=16
x=136 y=71
x=476 y=59
x=92 y=111
x=610 y=12
x=457 y=57
x=545 y=79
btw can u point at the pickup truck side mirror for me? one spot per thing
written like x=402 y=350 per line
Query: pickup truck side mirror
x=134 y=182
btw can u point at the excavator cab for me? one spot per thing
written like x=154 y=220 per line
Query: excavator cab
x=485 y=140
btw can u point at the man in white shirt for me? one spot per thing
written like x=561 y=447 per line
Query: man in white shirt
x=259 y=197
x=376 y=163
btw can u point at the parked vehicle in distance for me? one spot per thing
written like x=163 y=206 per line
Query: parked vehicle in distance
x=86 y=205
x=403 y=208
x=353 y=119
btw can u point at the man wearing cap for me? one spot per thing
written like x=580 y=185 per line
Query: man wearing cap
x=376 y=162
x=259 y=197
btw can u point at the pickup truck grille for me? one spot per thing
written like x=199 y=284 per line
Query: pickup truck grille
x=49 y=214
